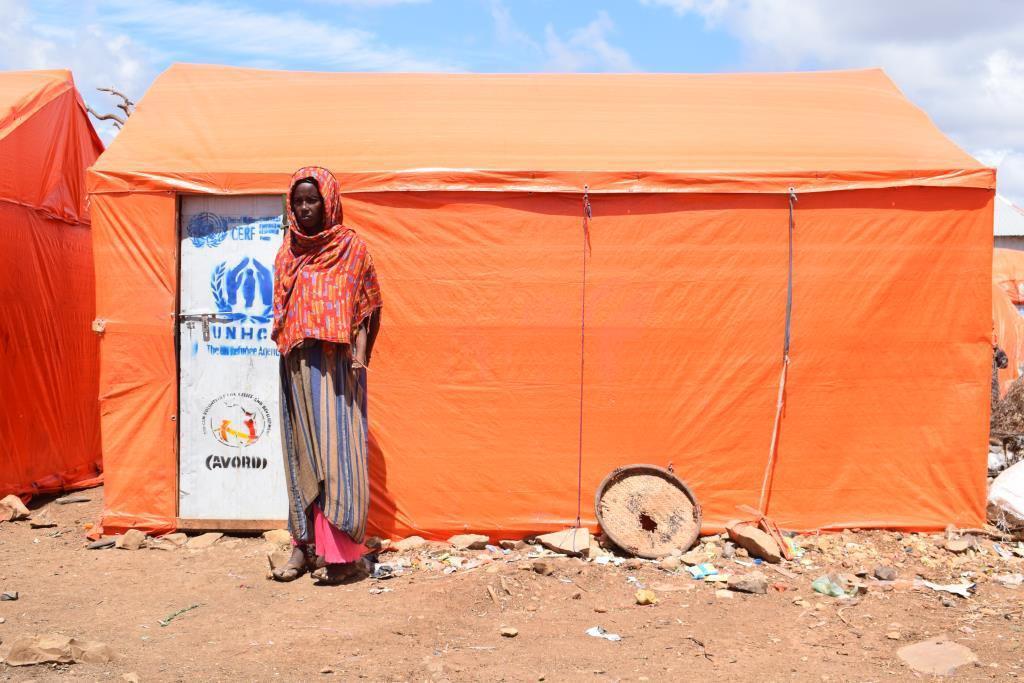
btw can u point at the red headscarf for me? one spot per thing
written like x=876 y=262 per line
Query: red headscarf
x=325 y=285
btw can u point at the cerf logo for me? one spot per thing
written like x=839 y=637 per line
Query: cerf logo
x=236 y=419
x=243 y=290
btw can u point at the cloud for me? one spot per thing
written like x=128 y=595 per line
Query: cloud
x=284 y=38
x=126 y=44
x=586 y=48
x=961 y=62
x=96 y=56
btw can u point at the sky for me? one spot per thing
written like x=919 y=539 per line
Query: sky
x=962 y=62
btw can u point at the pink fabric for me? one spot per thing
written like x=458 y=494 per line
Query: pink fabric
x=333 y=544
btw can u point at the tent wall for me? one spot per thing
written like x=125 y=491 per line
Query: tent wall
x=474 y=392
x=49 y=426
x=1008 y=327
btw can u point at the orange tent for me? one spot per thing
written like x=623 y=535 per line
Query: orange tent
x=470 y=189
x=49 y=425
x=1008 y=326
x=1008 y=273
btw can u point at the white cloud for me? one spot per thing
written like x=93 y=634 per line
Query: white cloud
x=96 y=56
x=246 y=34
x=126 y=44
x=963 y=63
x=587 y=48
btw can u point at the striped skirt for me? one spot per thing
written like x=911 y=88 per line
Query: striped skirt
x=323 y=418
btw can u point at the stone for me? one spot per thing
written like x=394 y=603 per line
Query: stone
x=508 y=632
x=572 y=541
x=938 y=656
x=958 y=545
x=884 y=573
x=409 y=543
x=42 y=520
x=543 y=567
x=73 y=499
x=754 y=582
x=754 y=541
x=105 y=542
x=177 y=539
x=54 y=648
x=724 y=593
x=646 y=596
x=278 y=558
x=278 y=536
x=131 y=677
x=670 y=563
x=596 y=550
x=509 y=544
x=15 y=506
x=600 y=609
x=893 y=635
x=469 y=541
x=203 y=541
x=131 y=540
x=694 y=557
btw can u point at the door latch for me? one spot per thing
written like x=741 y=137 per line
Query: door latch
x=190 y=319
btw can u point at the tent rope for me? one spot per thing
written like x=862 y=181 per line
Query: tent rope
x=769 y=469
x=587 y=215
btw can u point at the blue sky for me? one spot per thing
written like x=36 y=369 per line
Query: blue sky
x=963 y=62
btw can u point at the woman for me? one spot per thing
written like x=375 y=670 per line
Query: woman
x=326 y=317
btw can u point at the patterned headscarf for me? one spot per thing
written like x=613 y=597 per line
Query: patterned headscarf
x=325 y=284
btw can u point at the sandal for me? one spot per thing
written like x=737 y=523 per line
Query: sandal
x=297 y=565
x=337 y=574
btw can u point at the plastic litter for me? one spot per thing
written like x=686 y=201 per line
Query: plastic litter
x=842 y=586
x=961 y=589
x=599 y=632
x=385 y=571
x=1007 y=491
x=703 y=570
x=1009 y=580
x=1002 y=552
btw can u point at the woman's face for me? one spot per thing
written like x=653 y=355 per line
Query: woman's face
x=308 y=206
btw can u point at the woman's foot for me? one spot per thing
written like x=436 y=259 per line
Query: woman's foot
x=337 y=574
x=296 y=566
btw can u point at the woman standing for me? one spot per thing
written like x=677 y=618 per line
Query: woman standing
x=326 y=317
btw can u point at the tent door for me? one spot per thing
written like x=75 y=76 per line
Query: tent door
x=230 y=466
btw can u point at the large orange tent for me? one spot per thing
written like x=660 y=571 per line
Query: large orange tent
x=49 y=424
x=470 y=192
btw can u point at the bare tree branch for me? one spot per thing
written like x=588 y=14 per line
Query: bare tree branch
x=118 y=121
x=127 y=106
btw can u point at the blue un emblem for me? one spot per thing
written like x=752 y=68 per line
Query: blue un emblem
x=207 y=229
x=243 y=291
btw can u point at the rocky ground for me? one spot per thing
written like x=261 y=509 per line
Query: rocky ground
x=205 y=610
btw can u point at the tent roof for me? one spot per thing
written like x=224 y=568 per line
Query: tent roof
x=1009 y=218
x=23 y=93
x=224 y=129
x=46 y=142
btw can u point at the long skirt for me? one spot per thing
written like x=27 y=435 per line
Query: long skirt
x=323 y=417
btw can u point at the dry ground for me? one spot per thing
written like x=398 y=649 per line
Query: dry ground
x=435 y=626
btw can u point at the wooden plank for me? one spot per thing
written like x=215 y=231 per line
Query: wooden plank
x=248 y=525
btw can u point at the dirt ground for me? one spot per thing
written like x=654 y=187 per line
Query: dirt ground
x=426 y=625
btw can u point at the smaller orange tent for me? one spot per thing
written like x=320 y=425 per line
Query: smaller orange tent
x=49 y=425
x=1008 y=273
x=1008 y=326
